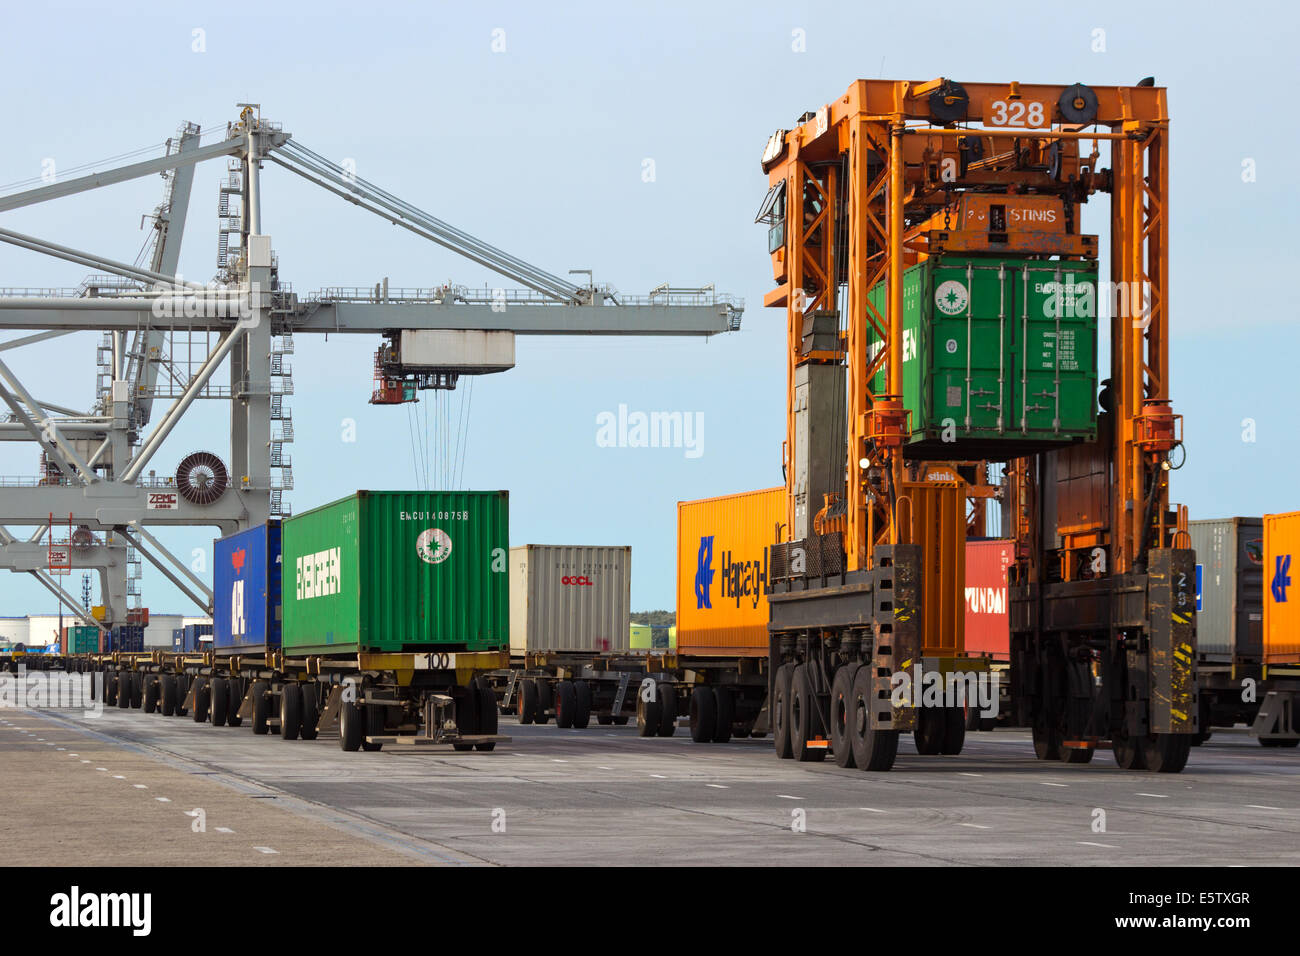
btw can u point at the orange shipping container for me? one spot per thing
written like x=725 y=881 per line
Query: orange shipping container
x=723 y=552
x=1281 y=597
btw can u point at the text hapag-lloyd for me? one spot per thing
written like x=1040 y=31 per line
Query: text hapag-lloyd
x=743 y=579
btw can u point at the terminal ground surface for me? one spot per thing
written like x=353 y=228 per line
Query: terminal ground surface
x=121 y=788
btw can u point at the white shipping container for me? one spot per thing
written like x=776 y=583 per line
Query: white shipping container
x=465 y=350
x=570 y=598
x=158 y=632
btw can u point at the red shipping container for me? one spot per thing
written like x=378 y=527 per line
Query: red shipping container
x=987 y=625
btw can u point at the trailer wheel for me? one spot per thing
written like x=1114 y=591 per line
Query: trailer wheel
x=621 y=720
x=604 y=720
x=873 y=750
x=649 y=714
x=780 y=715
x=310 y=712
x=168 y=682
x=1166 y=753
x=137 y=690
x=466 y=714
x=582 y=704
x=804 y=709
x=931 y=727
x=350 y=727
x=954 y=731
x=1077 y=754
x=726 y=714
x=527 y=701
x=150 y=694
x=261 y=707
x=1128 y=752
x=202 y=696
x=487 y=714
x=545 y=701
x=290 y=711
x=219 y=701
x=110 y=688
x=374 y=717
x=235 y=688
x=841 y=708
x=1047 y=742
x=182 y=691
x=564 y=704
x=704 y=714
x=124 y=690
x=667 y=709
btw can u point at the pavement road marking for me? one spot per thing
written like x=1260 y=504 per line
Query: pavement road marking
x=1260 y=806
x=265 y=849
x=224 y=830
x=974 y=826
x=658 y=776
x=786 y=796
x=1161 y=796
x=872 y=810
x=965 y=773
x=1046 y=783
x=1109 y=846
x=163 y=799
x=139 y=786
x=717 y=786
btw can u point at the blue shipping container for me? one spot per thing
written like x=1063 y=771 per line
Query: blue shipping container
x=178 y=639
x=246 y=590
x=127 y=638
x=196 y=637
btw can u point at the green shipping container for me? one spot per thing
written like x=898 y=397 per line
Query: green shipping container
x=83 y=639
x=398 y=571
x=1000 y=353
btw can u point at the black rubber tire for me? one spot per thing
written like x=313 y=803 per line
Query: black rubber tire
x=841 y=707
x=202 y=697
x=374 y=722
x=726 y=714
x=526 y=701
x=667 y=709
x=1278 y=742
x=954 y=731
x=545 y=701
x=110 y=689
x=467 y=714
x=182 y=691
x=972 y=717
x=235 y=690
x=649 y=714
x=1166 y=753
x=167 y=695
x=604 y=720
x=581 y=704
x=803 y=718
x=931 y=727
x=151 y=690
x=565 y=704
x=1047 y=742
x=1128 y=752
x=873 y=750
x=137 y=690
x=261 y=707
x=987 y=724
x=704 y=714
x=350 y=729
x=218 y=701
x=123 y=690
x=310 y=712
x=290 y=711
x=779 y=711
x=621 y=720
x=487 y=713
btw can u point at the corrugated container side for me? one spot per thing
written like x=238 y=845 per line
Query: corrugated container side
x=570 y=598
x=83 y=639
x=988 y=628
x=1281 y=602
x=1229 y=580
x=246 y=590
x=398 y=570
x=127 y=638
x=723 y=551
x=640 y=637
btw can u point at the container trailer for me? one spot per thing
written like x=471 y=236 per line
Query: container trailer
x=377 y=614
x=1277 y=724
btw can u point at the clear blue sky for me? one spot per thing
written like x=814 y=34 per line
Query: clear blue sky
x=540 y=149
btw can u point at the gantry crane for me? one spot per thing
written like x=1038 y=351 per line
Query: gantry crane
x=166 y=337
x=941 y=303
